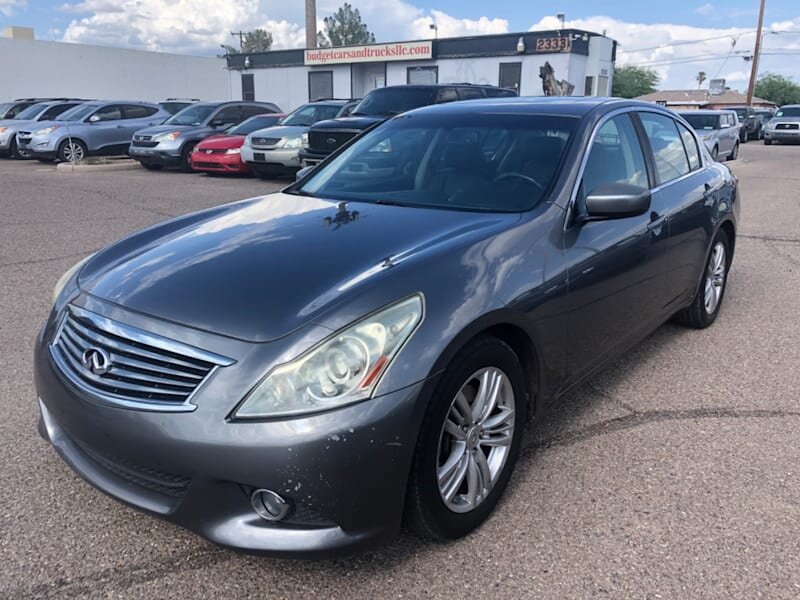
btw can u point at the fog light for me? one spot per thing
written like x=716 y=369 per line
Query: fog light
x=269 y=505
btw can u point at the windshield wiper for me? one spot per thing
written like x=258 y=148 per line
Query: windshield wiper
x=385 y=202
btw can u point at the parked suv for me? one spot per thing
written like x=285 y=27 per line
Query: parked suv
x=784 y=126
x=10 y=110
x=275 y=150
x=383 y=103
x=752 y=123
x=42 y=111
x=171 y=144
x=97 y=127
x=719 y=130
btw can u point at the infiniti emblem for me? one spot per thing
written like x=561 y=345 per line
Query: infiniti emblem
x=96 y=360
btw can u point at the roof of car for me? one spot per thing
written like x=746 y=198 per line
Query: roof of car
x=576 y=106
x=706 y=111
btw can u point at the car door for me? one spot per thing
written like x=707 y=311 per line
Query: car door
x=104 y=129
x=616 y=266
x=683 y=188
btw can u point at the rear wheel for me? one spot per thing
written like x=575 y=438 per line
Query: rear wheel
x=72 y=150
x=735 y=152
x=708 y=300
x=469 y=441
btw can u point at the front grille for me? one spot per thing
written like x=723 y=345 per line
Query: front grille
x=207 y=165
x=142 y=138
x=167 y=484
x=144 y=370
x=262 y=141
x=787 y=126
x=144 y=144
x=327 y=141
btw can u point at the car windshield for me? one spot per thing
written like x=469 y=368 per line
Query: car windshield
x=78 y=113
x=31 y=112
x=174 y=107
x=4 y=106
x=742 y=112
x=789 y=111
x=192 y=115
x=253 y=124
x=497 y=163
x=309 y=114
x=393 y=101
x=702 y=122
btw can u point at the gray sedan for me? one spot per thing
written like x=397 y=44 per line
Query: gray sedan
x=719 y=130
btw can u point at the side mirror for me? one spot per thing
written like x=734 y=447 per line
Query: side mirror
x=303 y=172
x=617 y=201
x=94 y=119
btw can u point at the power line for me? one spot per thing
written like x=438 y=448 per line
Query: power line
x=687 y=42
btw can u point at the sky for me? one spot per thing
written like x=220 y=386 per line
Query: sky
x=676 y=38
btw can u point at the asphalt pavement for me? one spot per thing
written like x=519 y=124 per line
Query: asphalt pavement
x=674 y=474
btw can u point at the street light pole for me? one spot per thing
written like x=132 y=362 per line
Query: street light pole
x=756 y=55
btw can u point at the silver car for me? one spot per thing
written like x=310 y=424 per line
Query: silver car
x=275 y=150
x=98 y=127
x=784 y=126
x=42 y=111
x=719 y=130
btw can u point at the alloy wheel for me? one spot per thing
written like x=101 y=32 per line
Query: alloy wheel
x=475 y=440
x=73 y=152
x=715 y=277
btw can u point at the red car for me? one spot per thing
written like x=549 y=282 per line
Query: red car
x=221 y=153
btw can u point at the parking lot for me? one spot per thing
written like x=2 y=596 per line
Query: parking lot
x=674 y=474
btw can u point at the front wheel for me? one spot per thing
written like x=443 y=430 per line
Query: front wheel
x=707 y=302
x=186 y=159
x=72 y=151
x=151 y=166
x=735 y=152
x=715 y=153
x=13 y=151
x=469 y=441
x=767 y=142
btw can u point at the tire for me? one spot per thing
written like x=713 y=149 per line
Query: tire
x=735 y=152
x=767 y=142
x=481 y=364
x=13 y=151
x=72 y=148
x=151 y=166
x=699 y=314
x=186 y=162
x=715 y=153
x=743 y=137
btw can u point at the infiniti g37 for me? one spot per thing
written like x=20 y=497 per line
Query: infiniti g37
x=306 y=372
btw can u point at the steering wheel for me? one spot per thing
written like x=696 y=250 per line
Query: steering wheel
x=519 y=176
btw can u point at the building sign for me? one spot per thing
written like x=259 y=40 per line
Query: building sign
x=370 y=53
x=554 y=44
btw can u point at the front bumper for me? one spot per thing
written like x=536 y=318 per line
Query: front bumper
x=782 y=135
x=344 y=472
x=218 y=163
x=288 y=158
x=156 y=156
x=310 y=158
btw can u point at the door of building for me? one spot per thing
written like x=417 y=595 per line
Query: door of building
x=365 y=77
x=511 y=75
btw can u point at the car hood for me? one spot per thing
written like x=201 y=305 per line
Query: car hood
x=280 y=131
x=16 y=123
x=259 y=269
x=358 y=123
x=221 y=142
x=185 y=129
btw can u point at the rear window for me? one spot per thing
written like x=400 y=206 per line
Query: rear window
x=496 y=163
x=702 y=122
x=393 y=101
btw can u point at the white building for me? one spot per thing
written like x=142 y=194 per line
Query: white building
x=33 y=68
x=581 y=60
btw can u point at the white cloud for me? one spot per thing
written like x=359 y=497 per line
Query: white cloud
x=704 y=9
x=7 y=7
x=651 y=45
x=448 y=26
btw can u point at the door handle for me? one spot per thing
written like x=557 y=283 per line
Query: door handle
x=656 y=223
x=708 y=192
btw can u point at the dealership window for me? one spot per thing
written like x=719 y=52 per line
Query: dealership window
x=587 y=86
x=248 y=87
x=511 y=75
x=422 y=75
x=320 y=85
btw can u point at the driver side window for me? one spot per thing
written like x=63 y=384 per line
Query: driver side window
x=109 y=113
x=615 y=157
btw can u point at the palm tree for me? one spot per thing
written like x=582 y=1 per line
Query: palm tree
x=701 y=77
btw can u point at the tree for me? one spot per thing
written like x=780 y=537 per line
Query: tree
x=344 y=28
x=631 y=81
x=778 y=89
x=258 y=40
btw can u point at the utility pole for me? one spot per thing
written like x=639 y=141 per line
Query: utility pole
x=311 y=23
x=241 y=35
x=756 y=55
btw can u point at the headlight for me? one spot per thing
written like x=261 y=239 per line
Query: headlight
x=167 y=137
x=304 y=140
x=3 y=129
x=64 y=279
x=233 y=151
x=45 y=130
x=342 y=370
x=294 y=142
